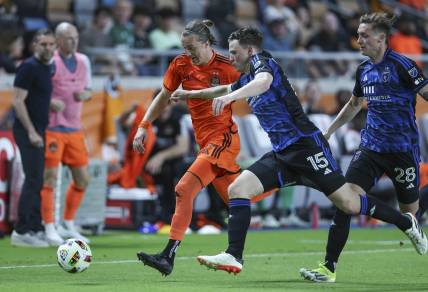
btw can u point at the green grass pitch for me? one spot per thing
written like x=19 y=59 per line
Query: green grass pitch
x=373 y=261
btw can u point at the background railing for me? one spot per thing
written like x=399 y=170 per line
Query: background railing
x=299 y=64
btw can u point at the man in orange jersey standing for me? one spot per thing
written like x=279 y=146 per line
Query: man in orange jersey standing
x=200 y=67
x=65 y=141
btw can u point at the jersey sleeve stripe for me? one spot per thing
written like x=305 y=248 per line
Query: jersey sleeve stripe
x=403 y=61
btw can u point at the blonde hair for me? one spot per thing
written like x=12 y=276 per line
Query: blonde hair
x=380 y=21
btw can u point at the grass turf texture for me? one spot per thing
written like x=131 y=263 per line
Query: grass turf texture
x=373 y=261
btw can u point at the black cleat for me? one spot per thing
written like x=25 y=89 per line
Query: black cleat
x=156 y=261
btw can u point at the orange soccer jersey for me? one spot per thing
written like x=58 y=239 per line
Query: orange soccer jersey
x=218 y=71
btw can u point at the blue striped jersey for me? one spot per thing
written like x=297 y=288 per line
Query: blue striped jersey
x=278 y=109
x=390 y=89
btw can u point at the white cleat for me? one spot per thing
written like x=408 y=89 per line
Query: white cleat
x=28 y=239
x=71 y=232
x=223 y=261
x=417 y=235
x=54 y=239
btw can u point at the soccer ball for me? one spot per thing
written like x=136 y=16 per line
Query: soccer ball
x=74 y=256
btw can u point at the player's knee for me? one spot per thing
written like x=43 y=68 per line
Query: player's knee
x=49 y=178
x=348 y=206
x=237 y=191
x=82 y=182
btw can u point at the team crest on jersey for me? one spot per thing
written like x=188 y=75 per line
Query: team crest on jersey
x=53 y=147
x=413 y=72
x=215 y=80
x=386 y=75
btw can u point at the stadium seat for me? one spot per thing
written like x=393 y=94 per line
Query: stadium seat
x=83 y=11
x=59 y=10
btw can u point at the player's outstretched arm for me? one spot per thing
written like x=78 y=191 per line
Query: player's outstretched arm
x=207 y=93
x=348 y=112
x=424 y=92
x=260 y=84
x=155 y=109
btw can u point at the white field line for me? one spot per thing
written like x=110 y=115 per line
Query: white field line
x=356 y=242
x=259 y=255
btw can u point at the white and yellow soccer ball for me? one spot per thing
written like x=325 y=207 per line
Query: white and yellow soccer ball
x=74 y=256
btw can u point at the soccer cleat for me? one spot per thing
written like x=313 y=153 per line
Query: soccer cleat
x=321 y=274
x=223 y=261
x=71 y=232
x=417 y=235
x=29 y=239
x=156 y=261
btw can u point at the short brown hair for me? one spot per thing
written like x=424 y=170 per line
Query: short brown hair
x=42 y=32
x=248 y=36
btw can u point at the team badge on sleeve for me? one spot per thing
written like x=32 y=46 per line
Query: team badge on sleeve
x=413 y=72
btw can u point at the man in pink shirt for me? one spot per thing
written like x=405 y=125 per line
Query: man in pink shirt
x=65 y=141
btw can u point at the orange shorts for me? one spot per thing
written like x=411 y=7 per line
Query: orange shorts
x=221 y=169
x=223 y=151
x=66 y=147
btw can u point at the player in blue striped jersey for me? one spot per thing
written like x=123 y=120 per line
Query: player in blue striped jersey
x=390 y=141
x=299 y=149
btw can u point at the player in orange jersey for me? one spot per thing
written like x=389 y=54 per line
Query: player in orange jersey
x=200 y=67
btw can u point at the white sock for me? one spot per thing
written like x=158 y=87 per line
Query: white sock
x=50 y=229
x=69 y=224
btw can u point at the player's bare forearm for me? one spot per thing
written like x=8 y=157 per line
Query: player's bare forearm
x=348 y=112
x=157 y=106
x=260 y=84
x=211 y=92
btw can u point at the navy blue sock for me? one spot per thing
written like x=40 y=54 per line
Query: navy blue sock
x=337 y=237
x=376 y=209
x=239 y=221
x=171 y=249
x=423 y=202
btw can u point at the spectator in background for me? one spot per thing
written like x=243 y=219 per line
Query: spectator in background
x=98 y=35
x=11 y=51
x=122 y=32
x=306 y=26
x=351 y=29
x=223 y=14
x=329 y=38
x=310 y=97
x=164 y=37
x=278 y=9
x=133 y=162
x=277 y=36
x=405 y=40
x=33 y=88
x=143 y=24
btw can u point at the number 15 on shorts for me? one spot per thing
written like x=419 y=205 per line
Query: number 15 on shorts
x=319 y=162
